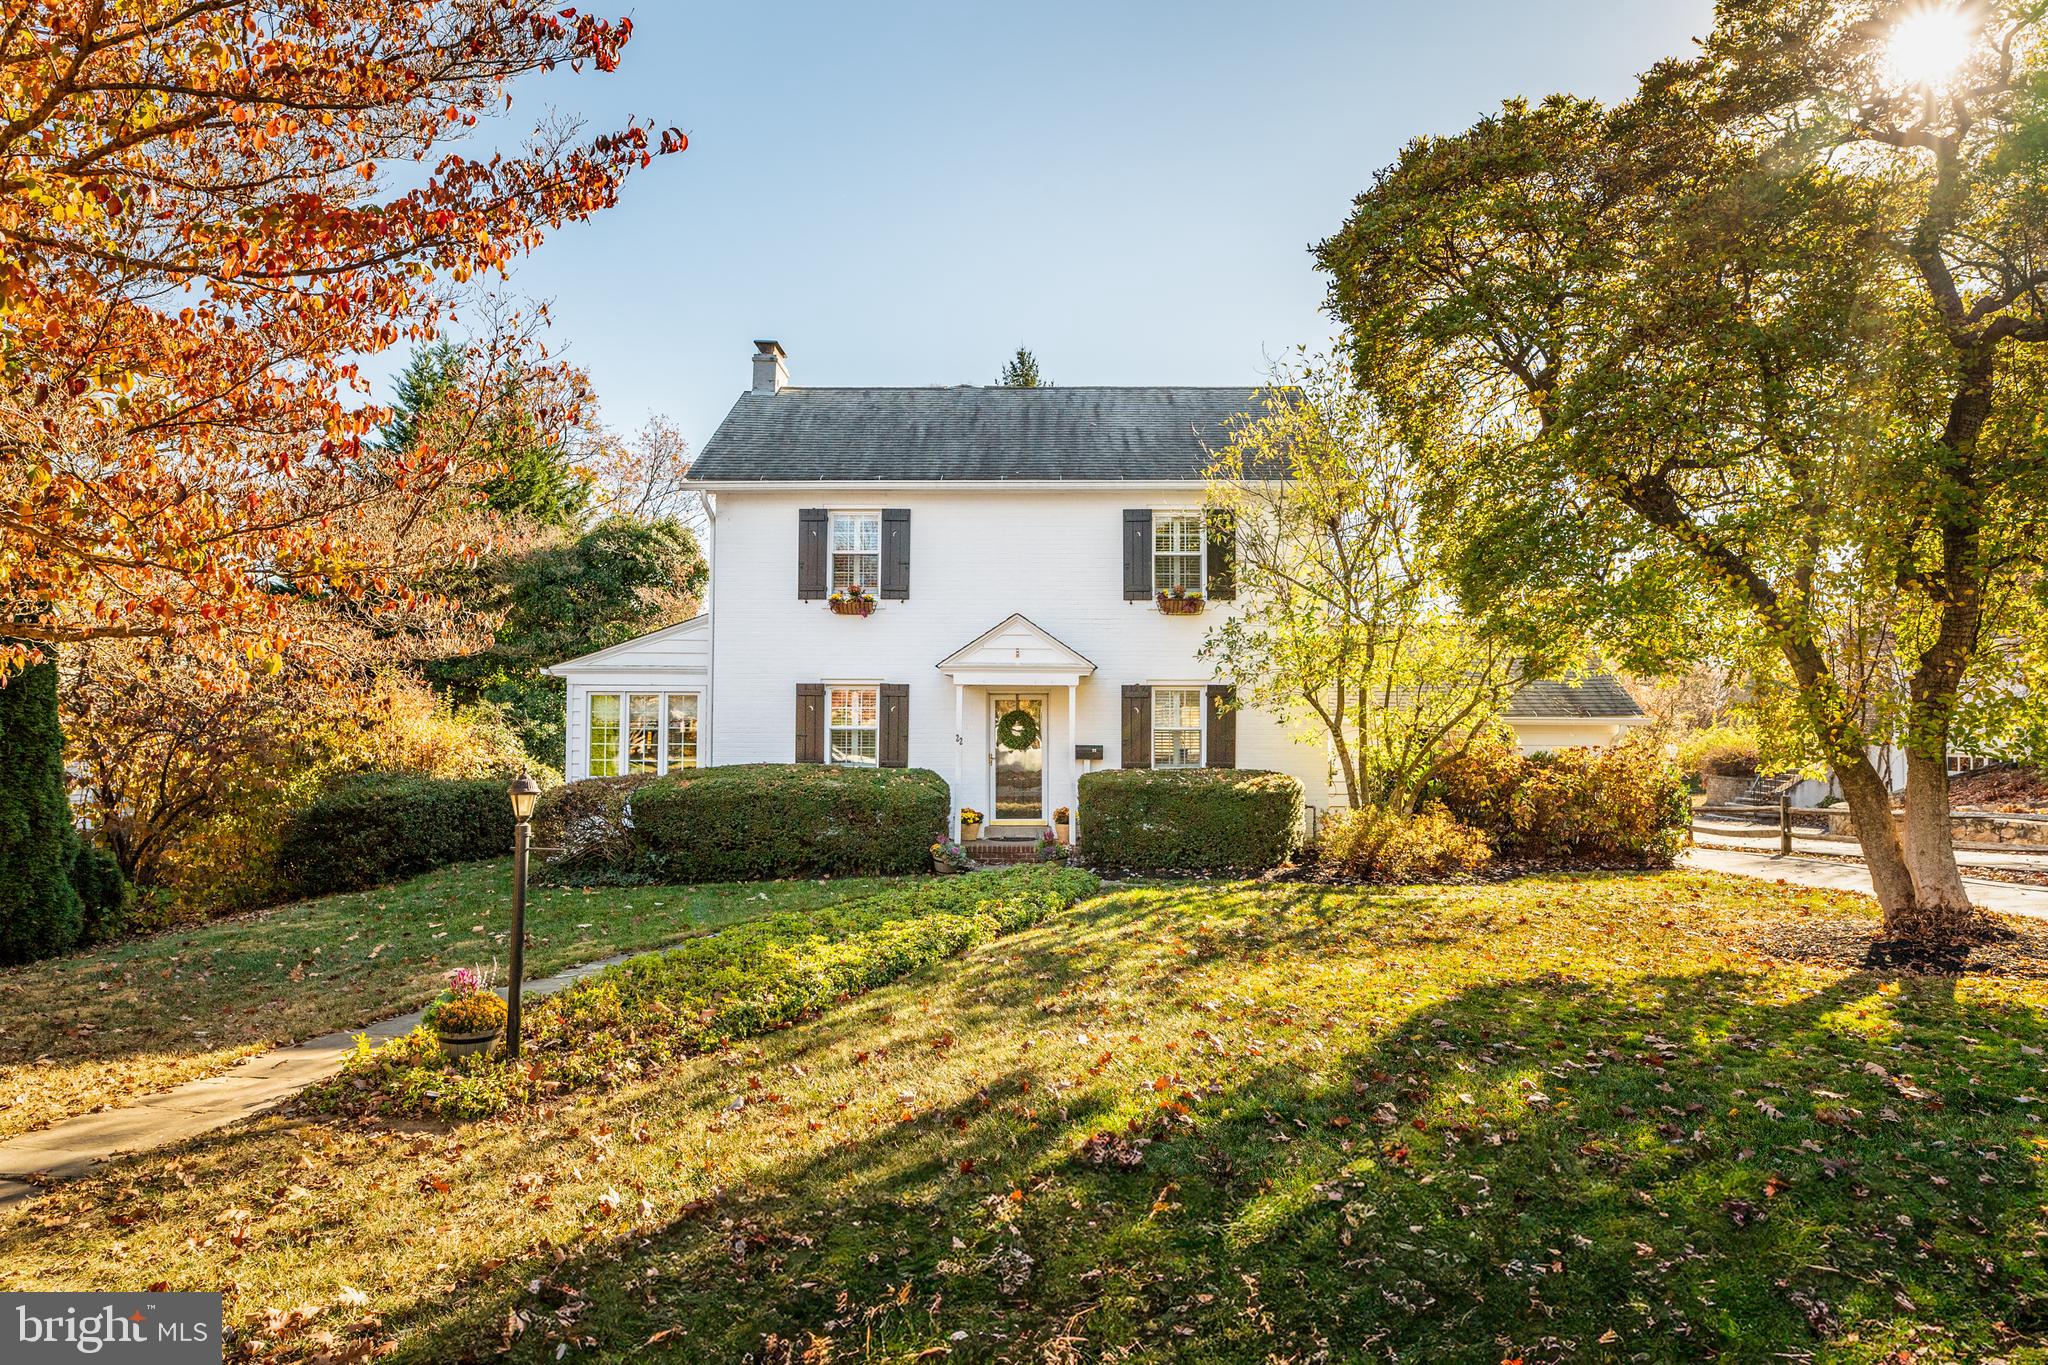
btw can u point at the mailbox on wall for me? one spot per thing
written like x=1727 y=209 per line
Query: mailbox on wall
x=1082 y=751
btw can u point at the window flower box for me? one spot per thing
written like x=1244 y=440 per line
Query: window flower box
x=853 y=601
x=1180 y=602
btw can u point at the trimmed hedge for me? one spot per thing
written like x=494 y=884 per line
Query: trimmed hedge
x=1238 y=821
x=755 y=821
x=382 y=827
x=738 y=983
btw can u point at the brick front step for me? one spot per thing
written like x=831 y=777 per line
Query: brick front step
x=1003 y=850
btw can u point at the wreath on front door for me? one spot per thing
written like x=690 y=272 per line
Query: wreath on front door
x=1017 y=729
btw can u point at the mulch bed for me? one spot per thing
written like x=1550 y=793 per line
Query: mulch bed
x=1848 y=943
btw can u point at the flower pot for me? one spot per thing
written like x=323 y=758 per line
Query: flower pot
x=1060 y=829
x=456 y=1046
x=946 y=869
x=969 y=832
x=1180 y=606
x=863 y=606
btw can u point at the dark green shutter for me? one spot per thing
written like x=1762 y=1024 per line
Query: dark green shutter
x=1137 y=554
x=1138 y=726
x=1221 y=749
x=812 y=528
x=1222 y=542
x=895 y=736
x=896 y=554
x=810 y=722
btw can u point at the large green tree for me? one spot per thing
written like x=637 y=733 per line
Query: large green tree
x=563 y=598
x=1345 y=617
x=1752 y=362
x=515 y=427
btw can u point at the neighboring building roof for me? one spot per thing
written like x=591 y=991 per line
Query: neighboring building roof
x=973 y=434
x=1597 y=695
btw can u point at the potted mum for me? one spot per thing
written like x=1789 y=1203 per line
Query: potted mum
x=1180 y=602
x=468 y=1016
x=1062 y=821
x=949 y=859
x=852 y=600
x=970 y=824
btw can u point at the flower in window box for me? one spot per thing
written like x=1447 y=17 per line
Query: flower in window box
x=1179 y=601
x=852 y=600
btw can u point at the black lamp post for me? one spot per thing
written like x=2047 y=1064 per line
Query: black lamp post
x=524 y=792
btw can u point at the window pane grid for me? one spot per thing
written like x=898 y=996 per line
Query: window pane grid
x=1177 y=727
x=628 y=730
x=604 y=736
x=1177 y=555
x=856 y=550
x=855 y=724
x=682 y=730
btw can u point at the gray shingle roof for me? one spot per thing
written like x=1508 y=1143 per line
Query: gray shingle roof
x=1596 y=695
x=971 y=433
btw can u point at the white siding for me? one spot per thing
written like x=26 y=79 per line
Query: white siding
x=977 y=555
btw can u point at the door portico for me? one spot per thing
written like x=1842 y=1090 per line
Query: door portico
x=1016 y=661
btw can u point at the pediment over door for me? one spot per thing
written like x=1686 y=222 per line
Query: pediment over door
x=1017 y=651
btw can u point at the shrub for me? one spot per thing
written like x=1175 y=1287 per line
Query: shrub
x=381 y=827
x=761 y=820
x=105 y=898
x=39 y=910
x=1625 y=806
x=737 y=983
x=586 y=829
x=1208 y=820
x=1723 y=751
x=1378 y=845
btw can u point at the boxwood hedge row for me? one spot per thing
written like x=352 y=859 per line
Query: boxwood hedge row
x=381 y=827
x=1236 y=821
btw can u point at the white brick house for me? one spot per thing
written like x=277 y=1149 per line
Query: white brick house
x=1014 y=541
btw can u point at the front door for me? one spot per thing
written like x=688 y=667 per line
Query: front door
x=1017 y=727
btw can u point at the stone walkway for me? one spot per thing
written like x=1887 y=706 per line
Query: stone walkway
x=2004 y=897
x=71 y=1148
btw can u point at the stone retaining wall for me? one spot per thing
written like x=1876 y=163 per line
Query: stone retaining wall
x=1971 y=831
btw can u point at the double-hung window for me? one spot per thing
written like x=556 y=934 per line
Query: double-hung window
x=857 y=551
x=855 y=726
x=1176 y=727
x=641 y=732
x=1177 y=552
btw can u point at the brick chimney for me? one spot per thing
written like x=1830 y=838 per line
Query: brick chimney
x=769 y=374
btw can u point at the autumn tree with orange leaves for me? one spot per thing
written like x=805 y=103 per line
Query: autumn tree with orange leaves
x=209 y=211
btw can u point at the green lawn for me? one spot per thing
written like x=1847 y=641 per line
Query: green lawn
x=105 y=1027
x=1554 y=1119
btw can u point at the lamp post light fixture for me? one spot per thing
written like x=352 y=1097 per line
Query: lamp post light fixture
x=525 y=792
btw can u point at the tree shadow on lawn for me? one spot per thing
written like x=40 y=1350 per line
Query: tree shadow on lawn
x=1673 y=1167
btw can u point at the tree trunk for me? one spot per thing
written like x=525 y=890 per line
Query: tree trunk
x=1891 y=877
x=1945 y=911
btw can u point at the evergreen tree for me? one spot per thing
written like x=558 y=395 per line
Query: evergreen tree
x=538 y=481
x=40 y=913
x=1021 y=372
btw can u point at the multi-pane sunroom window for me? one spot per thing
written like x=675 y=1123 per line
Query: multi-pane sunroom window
x=641 y=733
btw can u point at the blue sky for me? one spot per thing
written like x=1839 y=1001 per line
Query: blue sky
x=904 y=194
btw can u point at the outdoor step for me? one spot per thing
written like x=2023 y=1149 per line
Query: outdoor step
x=1003 y=850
